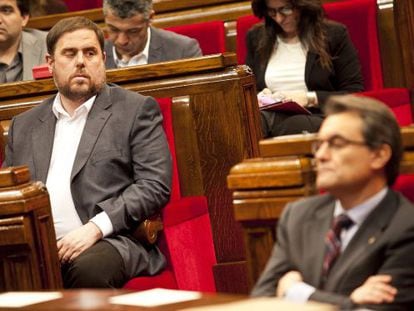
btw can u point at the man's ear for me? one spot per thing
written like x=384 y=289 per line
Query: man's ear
x=381 y=156
x=151 y=16
x=25 y=20
x=50 y=60
x=104 y=56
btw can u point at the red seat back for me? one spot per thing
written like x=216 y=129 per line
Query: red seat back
x=210 y=35
x=398 y=99
x=77 y=5
x=360 y=17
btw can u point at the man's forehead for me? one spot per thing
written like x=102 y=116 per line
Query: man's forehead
x=12 y=3
x=346 y=124
x=136 y=20
x=87 y=36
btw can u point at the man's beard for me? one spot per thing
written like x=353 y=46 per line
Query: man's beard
x=79 y=94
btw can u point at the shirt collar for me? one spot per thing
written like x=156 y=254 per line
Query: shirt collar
x=360 y=212
x=141 y=58
x=59 y=111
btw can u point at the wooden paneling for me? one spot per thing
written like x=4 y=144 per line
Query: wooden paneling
x=28 y=251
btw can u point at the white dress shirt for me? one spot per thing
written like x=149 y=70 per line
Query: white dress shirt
x=300 y=292
x=68 y=133
x=139 y=59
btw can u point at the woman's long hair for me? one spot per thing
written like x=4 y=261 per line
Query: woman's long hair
x=311 y=30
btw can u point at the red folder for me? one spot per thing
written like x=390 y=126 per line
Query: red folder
x=289 y=106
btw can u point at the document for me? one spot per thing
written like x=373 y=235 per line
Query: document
x=155 y=297
x=282 y=105
x=22 y=299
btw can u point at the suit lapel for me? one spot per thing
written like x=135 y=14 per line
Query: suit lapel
x=363 y=241
x=42 y=141
x=315 y=232
x=155 y=48
x=96 y=120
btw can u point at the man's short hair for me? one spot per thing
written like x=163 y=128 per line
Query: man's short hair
x=379 y=126
x=72 y=24
x=24 y=7
x=127 y=8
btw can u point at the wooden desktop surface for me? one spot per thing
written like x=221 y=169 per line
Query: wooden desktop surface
x=99 y=300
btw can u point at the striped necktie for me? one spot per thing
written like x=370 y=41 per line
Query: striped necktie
x=333 y=242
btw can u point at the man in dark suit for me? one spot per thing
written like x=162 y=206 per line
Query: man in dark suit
x=103 y=155
x=369 y=262
x=132 y=41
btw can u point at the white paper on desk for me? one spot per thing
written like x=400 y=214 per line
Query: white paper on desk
x=22 y=299
x=155 y=297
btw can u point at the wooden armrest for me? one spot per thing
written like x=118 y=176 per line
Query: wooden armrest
x=147 y=231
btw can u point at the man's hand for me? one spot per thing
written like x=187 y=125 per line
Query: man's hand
x=375 y=290
x=287 y=281
x=77 y=241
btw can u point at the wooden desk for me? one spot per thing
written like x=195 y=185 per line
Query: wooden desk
x=99 y=300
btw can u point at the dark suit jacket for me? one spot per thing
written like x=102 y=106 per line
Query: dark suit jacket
x=345 y=76
x=164 y=46
x=122 y=166
x=384 y=244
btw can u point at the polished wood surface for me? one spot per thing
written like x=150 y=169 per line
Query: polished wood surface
x=28 y=251
x=216 y=125
x=285 y=172
x=99 y=300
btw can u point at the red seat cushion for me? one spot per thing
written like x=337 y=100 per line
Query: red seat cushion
x=77 y=5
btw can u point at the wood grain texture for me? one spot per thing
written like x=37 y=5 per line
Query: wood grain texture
x=28 y=259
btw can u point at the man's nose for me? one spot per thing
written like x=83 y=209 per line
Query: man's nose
x=122 y=39
x=80 y=59
x=279 y=17
x=322 y=152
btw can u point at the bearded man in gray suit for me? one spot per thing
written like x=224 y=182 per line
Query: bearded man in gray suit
x=20 y=49
x=103 y=155
x=132 y=41
x=368 y=261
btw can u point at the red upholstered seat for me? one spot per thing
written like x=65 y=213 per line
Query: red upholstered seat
x=398 y=99
x=360 y=17
x=186 y=239
x=210 y=35
x=77 y=5
x=243 y=24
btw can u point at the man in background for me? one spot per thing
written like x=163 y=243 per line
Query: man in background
x=103 y=155
x=20 y=49
x=133 y=41
x=354 y=245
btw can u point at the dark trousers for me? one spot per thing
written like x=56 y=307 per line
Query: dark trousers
x=277 y=123
x=100 y=266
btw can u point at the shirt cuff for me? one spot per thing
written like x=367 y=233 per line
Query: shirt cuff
x=299 y=292
x=104 y=223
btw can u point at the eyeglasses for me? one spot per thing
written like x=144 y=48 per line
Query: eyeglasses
x=336 y=142
x=284 y=10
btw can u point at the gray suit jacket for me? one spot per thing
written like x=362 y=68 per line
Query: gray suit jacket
x=384 y=244
x=33 y=50
x=164 y=46
x=122 y=166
